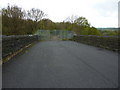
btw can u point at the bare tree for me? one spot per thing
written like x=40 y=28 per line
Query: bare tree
x=13 y=12
x=36 y=14
x=71 y=19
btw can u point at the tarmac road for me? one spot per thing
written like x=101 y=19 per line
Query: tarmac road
x=62 y=64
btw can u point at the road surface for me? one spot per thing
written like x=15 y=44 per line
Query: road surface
x=62 y=64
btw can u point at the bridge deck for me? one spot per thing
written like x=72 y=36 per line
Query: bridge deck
x=62 y=64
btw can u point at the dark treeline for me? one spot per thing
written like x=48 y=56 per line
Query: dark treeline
x=17 y=21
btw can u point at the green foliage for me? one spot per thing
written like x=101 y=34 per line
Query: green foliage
x=93 y=31
x=16 y=21
x=118 y=32
x=82 y=21
x=0 y=24
x=46 y=24
x=109 y=32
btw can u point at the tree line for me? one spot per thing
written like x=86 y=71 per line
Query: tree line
x=17 y=21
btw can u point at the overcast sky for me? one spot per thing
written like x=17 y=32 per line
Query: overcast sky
x=100 y=13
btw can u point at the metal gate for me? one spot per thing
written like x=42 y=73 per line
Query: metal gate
x=49 y=34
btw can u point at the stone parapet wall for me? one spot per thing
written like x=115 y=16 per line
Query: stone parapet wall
x=11 y=44
x=107 y=42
